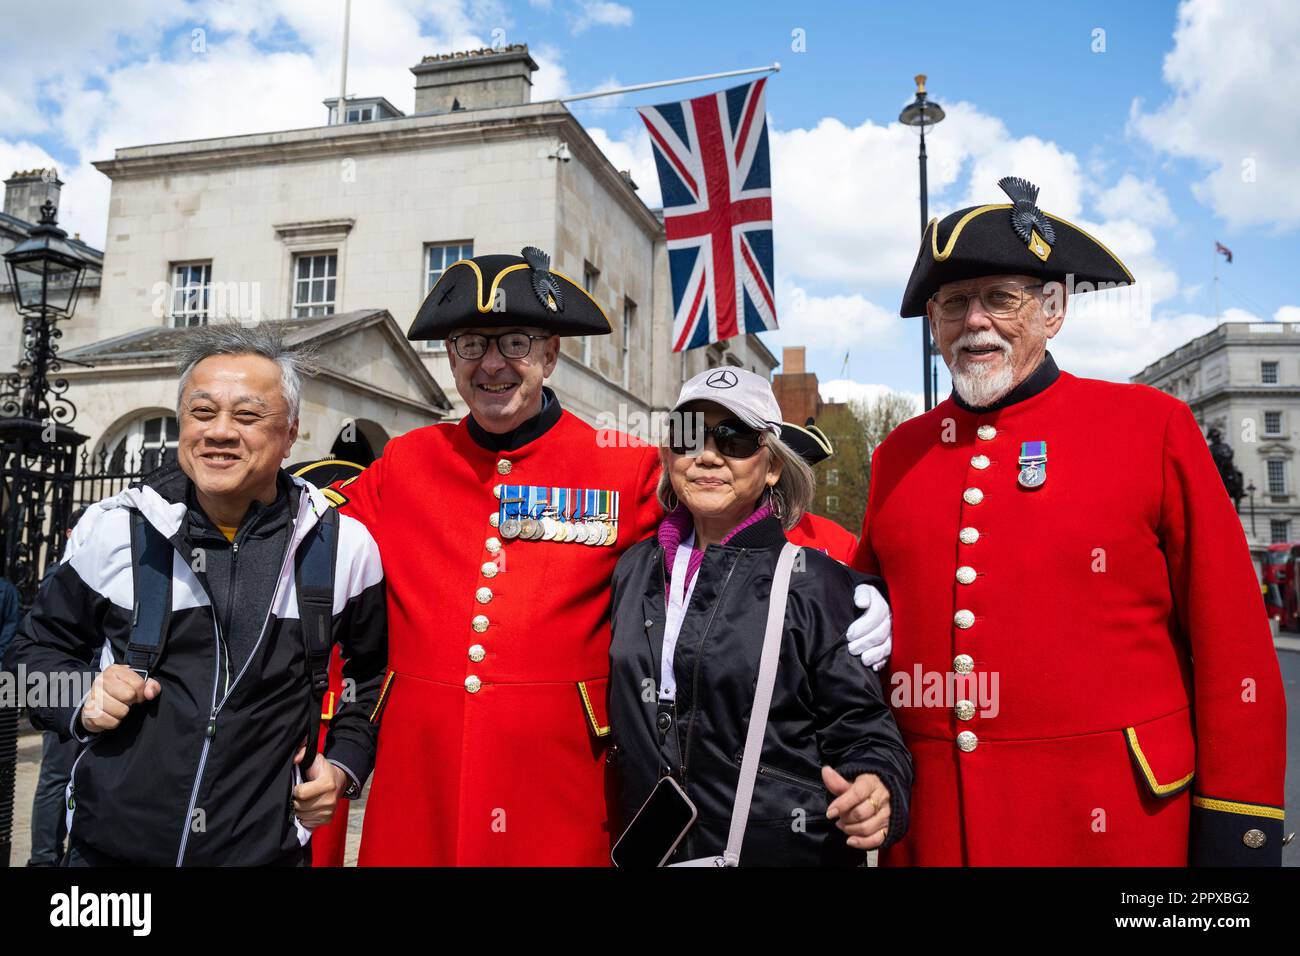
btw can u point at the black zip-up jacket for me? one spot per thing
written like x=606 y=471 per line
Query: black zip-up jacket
x=203 y=774
x=827 y=708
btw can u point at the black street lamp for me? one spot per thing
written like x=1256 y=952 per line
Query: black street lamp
x=37 y=446
x=922 y=113
x=1250 y=490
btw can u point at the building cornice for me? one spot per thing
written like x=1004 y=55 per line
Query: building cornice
x=428 y=131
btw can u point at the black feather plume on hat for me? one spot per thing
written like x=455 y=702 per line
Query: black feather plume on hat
x=1025 y=214
x=544 y=284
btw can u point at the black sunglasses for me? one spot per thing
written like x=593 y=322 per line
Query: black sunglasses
x=733 y=438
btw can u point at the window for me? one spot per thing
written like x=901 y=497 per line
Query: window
x=191 y=289
x=361 y=115
x=1272 y=423
x=144 y=445
x=590 y=276
x=1279 y=531
x=832 y=503
x=629 y=320
x=832 y=476
x=1268 y=373
x=437 y=257
x=315 y=275
x=1276 y=476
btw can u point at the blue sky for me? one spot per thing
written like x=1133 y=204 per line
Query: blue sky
x=1176 y=126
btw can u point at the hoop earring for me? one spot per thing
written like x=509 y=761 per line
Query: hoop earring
x=776 y=502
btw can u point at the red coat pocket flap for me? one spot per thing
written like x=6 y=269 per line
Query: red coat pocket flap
x=1164 y=751
x=594 y=705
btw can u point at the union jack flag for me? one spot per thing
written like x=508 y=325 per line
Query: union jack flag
x=711 y=153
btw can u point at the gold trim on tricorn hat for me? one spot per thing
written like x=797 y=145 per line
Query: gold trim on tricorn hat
x=1015 y=238
x=500 y=291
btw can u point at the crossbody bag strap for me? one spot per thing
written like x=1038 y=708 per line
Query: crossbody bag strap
x=762 y=702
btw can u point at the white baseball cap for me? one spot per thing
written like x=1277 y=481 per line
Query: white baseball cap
x=746 y=395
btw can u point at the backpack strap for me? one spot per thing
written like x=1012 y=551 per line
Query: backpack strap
x=315 y=579
x=151 y=562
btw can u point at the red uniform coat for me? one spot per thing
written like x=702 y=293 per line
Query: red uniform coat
x=1079 y=607
x=814 y=531
x=506 y=769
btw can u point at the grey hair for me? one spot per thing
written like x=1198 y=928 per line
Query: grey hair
x=263 y=339
x=790 y=497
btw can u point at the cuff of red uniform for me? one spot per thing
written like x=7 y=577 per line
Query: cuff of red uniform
x=1232 y=833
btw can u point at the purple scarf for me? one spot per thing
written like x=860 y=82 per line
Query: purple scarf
x=678 y=525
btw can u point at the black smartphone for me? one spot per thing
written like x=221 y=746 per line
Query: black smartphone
x=657 y=828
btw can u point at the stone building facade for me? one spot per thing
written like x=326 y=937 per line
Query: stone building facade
x=1243 y=378
x=360 y=217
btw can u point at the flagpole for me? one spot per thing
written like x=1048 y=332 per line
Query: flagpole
x=343 y=72
x=774 y=68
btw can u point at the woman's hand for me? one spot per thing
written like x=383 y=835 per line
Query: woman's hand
x=860 y=808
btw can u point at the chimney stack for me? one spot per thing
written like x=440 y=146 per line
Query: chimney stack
x=26 y=192
x=474 y=79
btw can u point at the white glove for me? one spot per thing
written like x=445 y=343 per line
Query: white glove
x=871 y=635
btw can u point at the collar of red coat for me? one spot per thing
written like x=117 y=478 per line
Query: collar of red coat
x=1038 y=381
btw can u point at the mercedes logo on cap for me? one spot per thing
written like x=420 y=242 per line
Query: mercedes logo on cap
x=722 y=378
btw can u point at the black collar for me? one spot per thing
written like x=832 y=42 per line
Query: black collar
x=762 y=534
x=1038 y=381
x=529 y=431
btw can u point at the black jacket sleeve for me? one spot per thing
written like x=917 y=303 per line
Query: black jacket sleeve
x=361 y=631
x=856 y=732
x=63 y=634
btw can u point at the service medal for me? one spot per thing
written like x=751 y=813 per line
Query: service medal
x=510 y=527
x=550 y=527
x=1033 y=464
x=527 y=528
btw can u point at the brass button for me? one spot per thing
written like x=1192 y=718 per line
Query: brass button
x=972 y=496
x=965 y=574
x=980 y=461
x=963 y=663
x=497 y=490
x=493 y=545
x=480 y=623
x=966 y=741
x=477 y=653
x=504 y=466
x=483 y=595
x=969 y=535
x=473 y=684
x=494 y=519
x=965 y=710
x=1253 y=839
x=963 y=618
x=489 y=569
x=986 y=432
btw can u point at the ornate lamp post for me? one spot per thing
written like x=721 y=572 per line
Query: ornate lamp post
x=922 y=113
x=37 y=446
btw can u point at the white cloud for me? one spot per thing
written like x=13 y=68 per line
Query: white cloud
x=603 y=14
x=152 y=92
x=1140 y=200
x=632 y=152
x=1234 y=107
x=1288 y=313
x=833 y=321
x=847 y=390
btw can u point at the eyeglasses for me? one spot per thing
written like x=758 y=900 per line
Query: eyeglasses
x=998 y=301
x=733 y=438
x=511 y=345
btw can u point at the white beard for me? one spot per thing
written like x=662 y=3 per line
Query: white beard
x=979 y=385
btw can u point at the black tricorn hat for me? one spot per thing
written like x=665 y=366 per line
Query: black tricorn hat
x=808 y=441
x=500 y=291
x=1015 y=238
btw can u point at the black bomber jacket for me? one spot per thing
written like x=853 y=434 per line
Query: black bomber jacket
x=827 y=707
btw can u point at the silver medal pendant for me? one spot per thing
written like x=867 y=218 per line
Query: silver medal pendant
x=1032 y=476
